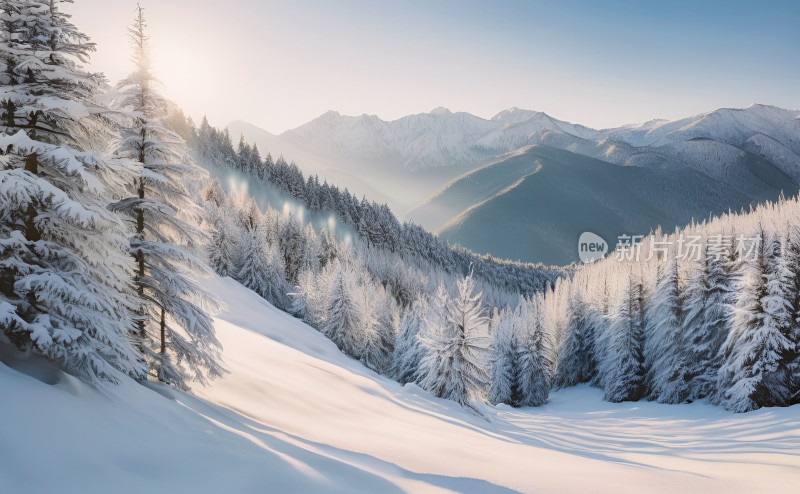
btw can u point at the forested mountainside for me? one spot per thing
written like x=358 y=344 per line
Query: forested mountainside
x=745 y=156
x=374 y=223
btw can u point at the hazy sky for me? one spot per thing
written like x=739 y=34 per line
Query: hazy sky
x=279 y=64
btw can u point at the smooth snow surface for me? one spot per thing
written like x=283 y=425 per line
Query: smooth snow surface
x=296 y=415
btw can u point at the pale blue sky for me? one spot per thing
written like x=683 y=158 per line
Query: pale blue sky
x=281 y=63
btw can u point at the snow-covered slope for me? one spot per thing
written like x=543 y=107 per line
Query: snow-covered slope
x=295 y=415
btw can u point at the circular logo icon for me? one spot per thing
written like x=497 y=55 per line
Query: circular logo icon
x=591 y=247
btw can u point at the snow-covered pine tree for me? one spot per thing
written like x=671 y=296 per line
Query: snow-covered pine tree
x=575 y=363
x=309 y=300
x=292 y=246
x=63 y=288
x=535 y=359
x=503 y=359
x=345 y=312
x=664 y=351
x=262 y=268
x=329 y=247
x=601 y=322
x=707 y=301
x=388 y=319
x=244 y=155
x=304 y=289
x=244 y=216
x=222 y=246
x=271 y=224
x=792 y=355
x=407 y=351
x=595 y=323
x=175 y=330
x=277 y=288
x=622 y=367
x=430 y=339
x=380 y=327
x=455 y=363
x=312 y=250
x=778 y=306
x=757 y=341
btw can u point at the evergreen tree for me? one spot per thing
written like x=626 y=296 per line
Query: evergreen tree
x=430 y=339
x=503 y=359
x=175 y=331
x=601 y=323
x=757 y=340
x=262 y=268
x=277 y=288
x=292 y=246
x=454 y=365
x=221 y=248
x=664 y=350
x=407 y=351
x=310 y=297
x=380 y=324
x=779 y=308
x=709 y=296
x=792 y=355
x=576 y=360
x=534 y=355
x=63 y=289
x=312 y=250
x=345 y=320
x=328 y=245
x=623 y=363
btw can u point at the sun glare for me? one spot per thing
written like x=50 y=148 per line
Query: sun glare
x=182 y=65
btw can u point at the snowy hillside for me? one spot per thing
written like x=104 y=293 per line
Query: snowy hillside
x=282 y=420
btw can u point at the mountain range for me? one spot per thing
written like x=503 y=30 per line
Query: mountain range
x=524 y=185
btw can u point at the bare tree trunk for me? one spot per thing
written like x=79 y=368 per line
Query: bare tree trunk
x=163 y=332
x=163 y=351
x=32 y=233
x=140 y=235
x=139 y=254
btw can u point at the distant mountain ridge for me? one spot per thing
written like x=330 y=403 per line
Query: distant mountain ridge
x=444 y=138
x=417 y=163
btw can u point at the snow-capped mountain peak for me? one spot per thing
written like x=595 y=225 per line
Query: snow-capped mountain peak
x=441 y=111
x=373 y=149
x=514 y=115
